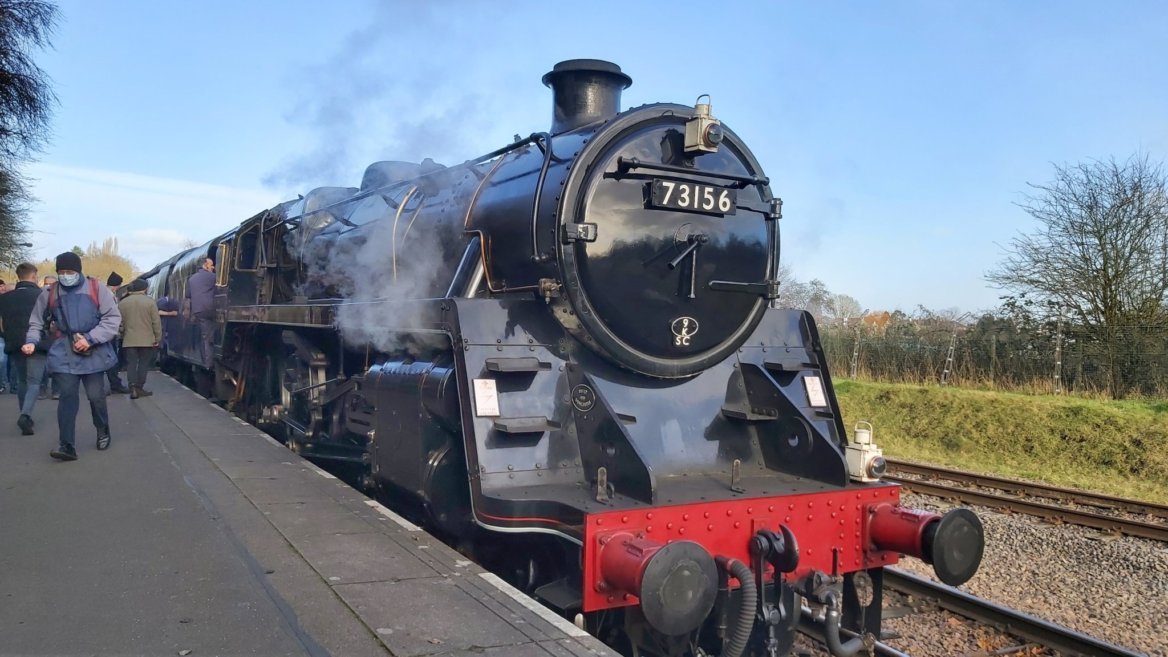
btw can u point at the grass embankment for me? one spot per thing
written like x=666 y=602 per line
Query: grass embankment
x=1113 y=447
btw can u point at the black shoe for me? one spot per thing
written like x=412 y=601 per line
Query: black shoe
x=133 y=392
x=103 y=439
x=119 y=389
x=25 y=423
x=142 y=392
x=64 y=453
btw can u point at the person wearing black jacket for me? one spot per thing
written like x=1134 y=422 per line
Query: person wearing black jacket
x=15 y=309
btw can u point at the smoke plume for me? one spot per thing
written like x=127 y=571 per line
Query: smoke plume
x=379 y=269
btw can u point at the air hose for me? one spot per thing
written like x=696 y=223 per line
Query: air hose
x=831 y=631
x=746 y=609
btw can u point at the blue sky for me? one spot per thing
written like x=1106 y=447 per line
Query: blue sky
x=899 y=134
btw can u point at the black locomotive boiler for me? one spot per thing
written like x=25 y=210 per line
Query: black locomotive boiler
x=565 y=356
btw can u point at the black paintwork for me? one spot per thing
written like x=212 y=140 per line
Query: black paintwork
x=661 y=441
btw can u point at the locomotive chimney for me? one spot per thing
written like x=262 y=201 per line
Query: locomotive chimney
x=585 y=91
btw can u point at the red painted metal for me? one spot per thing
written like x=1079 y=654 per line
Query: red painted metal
x=831 y=528
x=623 y=557
x=897 y=528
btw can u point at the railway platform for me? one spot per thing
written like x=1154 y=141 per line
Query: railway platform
x=196 y=534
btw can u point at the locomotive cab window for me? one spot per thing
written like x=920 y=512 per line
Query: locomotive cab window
x=222 y=262
x=246 y=250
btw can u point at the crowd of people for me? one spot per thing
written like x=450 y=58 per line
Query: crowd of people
x=81 y=334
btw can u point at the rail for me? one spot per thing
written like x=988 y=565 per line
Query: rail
x=1032 y=488
x=1051 y=635
x=1126 y=526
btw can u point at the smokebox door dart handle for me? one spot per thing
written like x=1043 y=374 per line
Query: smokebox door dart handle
x=695 y=242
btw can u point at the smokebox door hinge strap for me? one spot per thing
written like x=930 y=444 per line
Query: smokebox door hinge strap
x=627 y=164
x=767 y=289
x=770 y=210
x=583 y=232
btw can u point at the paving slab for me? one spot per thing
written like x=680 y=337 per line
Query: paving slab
x=196 y=531
x=454 y=620
x=366 y=557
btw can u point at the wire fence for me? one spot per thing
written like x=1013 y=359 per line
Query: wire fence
x=1054 y=357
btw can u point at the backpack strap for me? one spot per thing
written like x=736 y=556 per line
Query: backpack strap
x=52 y=296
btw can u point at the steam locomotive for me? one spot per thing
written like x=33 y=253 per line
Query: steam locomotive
x=566 y=356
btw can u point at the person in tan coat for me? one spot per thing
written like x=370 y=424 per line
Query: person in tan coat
x=141 y=332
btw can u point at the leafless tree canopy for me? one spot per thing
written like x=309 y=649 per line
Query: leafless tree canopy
x=26 y=99
x=815 y=298
x=1101 y=250
x=13 y=206
x=26 y=103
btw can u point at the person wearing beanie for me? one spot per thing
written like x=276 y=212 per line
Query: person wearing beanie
x=87 y=319
x=141 y=333
x=114 y=283
x=68 y=262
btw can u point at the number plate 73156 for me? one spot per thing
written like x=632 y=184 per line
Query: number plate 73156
x=692 y=197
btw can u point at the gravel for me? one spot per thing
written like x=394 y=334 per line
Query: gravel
x=1112 y=588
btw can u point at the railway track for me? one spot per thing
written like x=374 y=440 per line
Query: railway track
x=1025 y=626
x=1155 y=530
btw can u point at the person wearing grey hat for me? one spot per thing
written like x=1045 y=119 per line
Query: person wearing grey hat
x=87 y=318
x=141 y=333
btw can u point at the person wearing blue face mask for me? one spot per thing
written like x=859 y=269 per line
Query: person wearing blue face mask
x=87 y=318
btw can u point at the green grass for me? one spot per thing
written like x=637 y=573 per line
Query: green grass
x=1113 y=447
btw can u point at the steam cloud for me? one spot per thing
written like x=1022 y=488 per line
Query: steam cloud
x=375 y=99
x=378 y=269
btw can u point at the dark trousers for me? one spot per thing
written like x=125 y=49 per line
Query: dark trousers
x=16 y=377
x=115 y=381
x=70 y=385
x=138 y=361
x=206 y=323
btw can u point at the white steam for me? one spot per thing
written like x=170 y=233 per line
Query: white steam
x=379 y=269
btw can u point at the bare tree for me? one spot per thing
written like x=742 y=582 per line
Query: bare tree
x=13 y=208
x=1100 y=254
x=843 y=307
x=26 y=103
